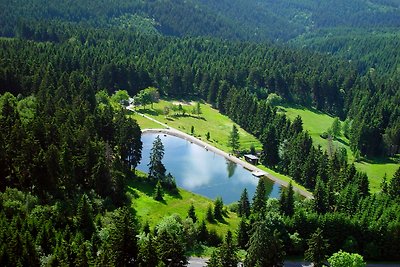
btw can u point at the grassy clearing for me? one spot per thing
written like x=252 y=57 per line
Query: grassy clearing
x=218 y=125
x=316 y=122
x=153 y=211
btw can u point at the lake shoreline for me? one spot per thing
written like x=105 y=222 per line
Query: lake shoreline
x=207 y=146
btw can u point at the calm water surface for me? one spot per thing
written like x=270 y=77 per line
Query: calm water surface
x=203 y=172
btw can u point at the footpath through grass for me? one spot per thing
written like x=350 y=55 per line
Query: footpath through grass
x=152 y=211
x=316 y=122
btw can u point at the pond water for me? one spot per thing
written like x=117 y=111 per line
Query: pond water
x=203 y=172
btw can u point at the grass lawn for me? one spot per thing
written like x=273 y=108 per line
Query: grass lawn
x=153 y=211
x=316 y=122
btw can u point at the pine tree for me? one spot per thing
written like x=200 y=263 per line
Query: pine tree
x=148 y=256
x=156 y=167
x=218 y=208
x=202 y=233
x=269 y=155
x=259 y=198
x=289 y=209
x=317 y=249
x=233 y=141
x=210 y=214
x=394 y=187
x=158 y=192
x=192 y=213
x=320 y=197
x=84 y=217
x=123 y=247
x=228 y=252
x=243 y=234
x=244 y=205
x=265 y=245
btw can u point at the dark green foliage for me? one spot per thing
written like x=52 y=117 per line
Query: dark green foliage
x=233 y=141
x=122 y=244
x=266 y=245
x=156 y=167
x=192 y=213
x=286 y=200
x=158 y=192
x=260 y=197
x=218 y=209
x=226 y=254
x=244 y=205
x=148 y=256
x=84 y=217
x=269 y=139
x=210 y=214
x=243 y=234
x=394 y=186
x=317 y=249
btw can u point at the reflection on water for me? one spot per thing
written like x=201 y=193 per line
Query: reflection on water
x=203 y=172
x=230 y=167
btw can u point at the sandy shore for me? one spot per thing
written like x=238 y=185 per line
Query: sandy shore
x=174 y=132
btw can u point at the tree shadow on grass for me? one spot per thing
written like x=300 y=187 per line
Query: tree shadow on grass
x=381 y=160
x=340 y=140
x=151 y=112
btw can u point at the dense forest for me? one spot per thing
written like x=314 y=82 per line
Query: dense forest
x=67 y=151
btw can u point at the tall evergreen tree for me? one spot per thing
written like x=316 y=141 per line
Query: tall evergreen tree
x=156 y=167
x=243 y=234
x=394 y=186
x=265 y=245
x=317 y=249
x=244 y=205
x=228 y=252
x=192 y=213
x=233 y=141
x=270 y=142
x=123 y=247
x=259 y=198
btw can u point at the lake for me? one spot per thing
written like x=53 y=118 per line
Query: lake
x=203 y=172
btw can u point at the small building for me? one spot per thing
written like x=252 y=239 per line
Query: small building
x=251 y=159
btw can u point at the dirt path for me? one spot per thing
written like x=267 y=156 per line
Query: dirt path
x=175 y=132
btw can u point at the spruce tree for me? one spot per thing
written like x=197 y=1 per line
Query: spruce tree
x=233 y=141
x=244 y=204
x=218 y=208
x=259 y=198
x=158 y=192
x=123 y=247
x=156 y=167
x=228 y=252
x=192 y=213
x=265 y=245
x=317 y=249
x=243 y=234
x=394 y=186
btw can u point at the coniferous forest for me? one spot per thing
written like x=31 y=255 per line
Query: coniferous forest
x=67 y=152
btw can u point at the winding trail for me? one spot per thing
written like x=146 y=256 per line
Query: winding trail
x=175 y=132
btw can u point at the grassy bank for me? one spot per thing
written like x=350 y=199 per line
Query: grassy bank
x=152 y=211
x=316 y=122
